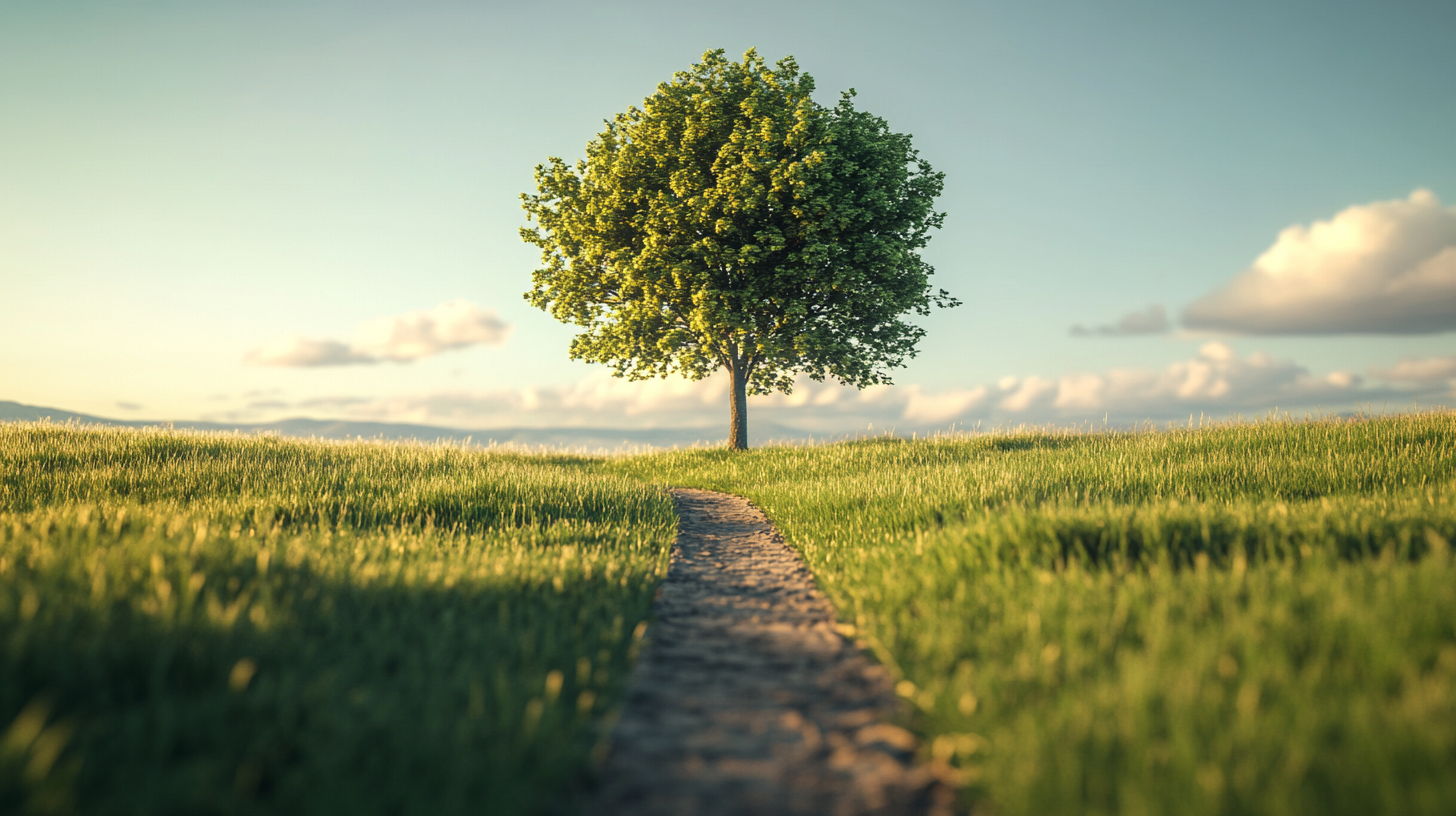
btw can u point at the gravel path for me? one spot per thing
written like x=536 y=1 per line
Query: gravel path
x=746 y=699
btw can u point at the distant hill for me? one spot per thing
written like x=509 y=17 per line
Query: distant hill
x=576 y=439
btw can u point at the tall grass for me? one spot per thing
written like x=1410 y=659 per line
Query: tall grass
x=202 y=624
x=1247 y=619
x=1243 y=619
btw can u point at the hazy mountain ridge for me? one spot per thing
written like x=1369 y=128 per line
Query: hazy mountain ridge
x=567 y=438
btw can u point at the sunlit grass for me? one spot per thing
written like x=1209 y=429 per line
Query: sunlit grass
x=1253 y=618
x=211 y=624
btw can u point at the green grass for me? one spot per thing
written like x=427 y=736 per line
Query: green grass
x=201 y=624
x=1247 y=619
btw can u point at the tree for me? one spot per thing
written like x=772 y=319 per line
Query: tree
x=733 y=223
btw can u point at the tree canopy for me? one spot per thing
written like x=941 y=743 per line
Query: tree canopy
x=734 y=223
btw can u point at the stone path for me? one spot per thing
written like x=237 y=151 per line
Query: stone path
x=746 y=699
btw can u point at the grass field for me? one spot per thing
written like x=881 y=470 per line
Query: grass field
x=1244 y=619
x=1249 y=619
x=201 y=624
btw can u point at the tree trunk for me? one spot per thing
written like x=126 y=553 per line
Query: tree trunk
x=738 y=411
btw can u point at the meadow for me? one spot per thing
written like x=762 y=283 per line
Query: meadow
x=1254 y=618
x=1250 y=618
x=199 y=624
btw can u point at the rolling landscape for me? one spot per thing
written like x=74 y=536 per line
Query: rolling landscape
x=758 y=409
x=1243 y=618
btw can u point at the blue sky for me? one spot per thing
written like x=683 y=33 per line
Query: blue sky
x=186 y=186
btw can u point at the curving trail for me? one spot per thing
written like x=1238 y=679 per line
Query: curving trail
x=746 y=700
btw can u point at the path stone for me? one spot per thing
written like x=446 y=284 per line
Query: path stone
x=746 y=699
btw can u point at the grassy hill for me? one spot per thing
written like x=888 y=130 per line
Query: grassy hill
x=1255 y=618
x=199 y=624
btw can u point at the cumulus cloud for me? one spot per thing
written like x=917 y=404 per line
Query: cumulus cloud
x=1216 y=381
x=1152 y=320
x=1431 y=369
x=1383 y=268
x=400 y=338
x=601 y=400
x=299 y=352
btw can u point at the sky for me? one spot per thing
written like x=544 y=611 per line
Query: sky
x=251 y=211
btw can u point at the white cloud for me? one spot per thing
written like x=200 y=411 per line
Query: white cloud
x=292 y=350
x=401 y=338
x=1431 y=369
x=603 y=400
x=1383 y=268
x=1152 y=320
x=1026 y=393
x=933 y=409
x=1216 y=381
